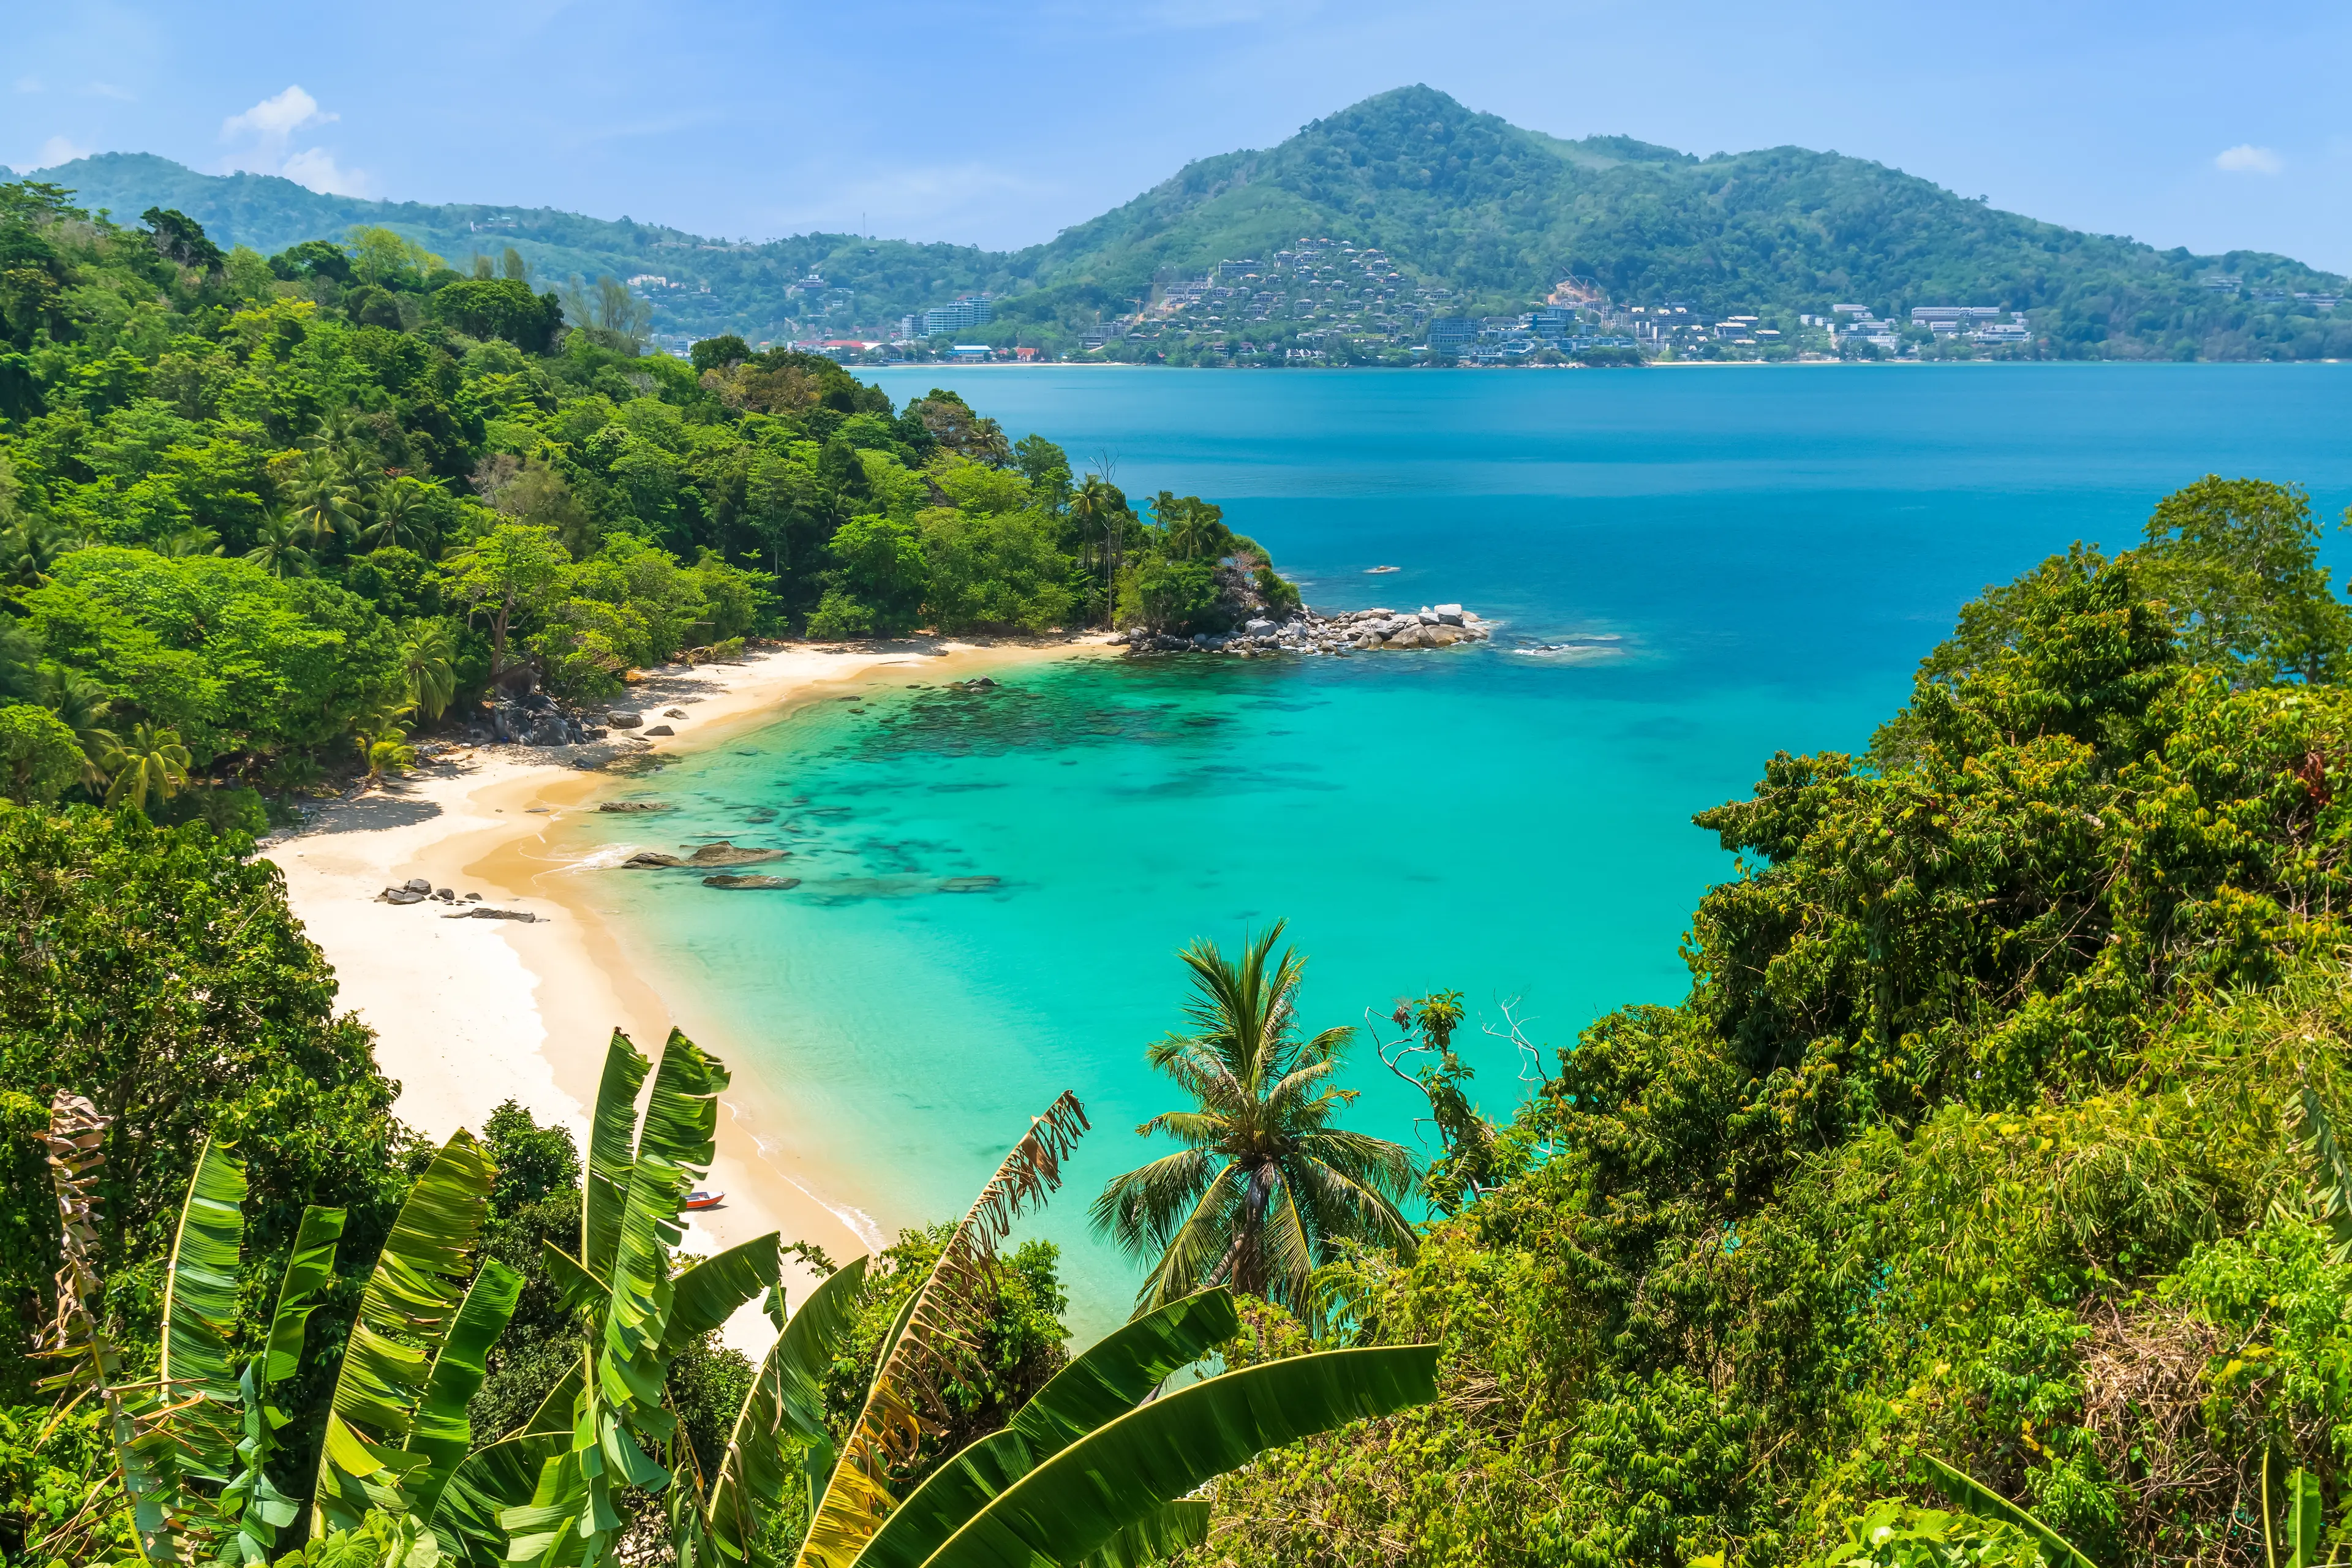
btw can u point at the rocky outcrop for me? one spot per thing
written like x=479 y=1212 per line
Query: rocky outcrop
x=637 y=807
x=484 y=912
x=1355 y=631
x=752 y=882
x=650 y=860
x=725 y=854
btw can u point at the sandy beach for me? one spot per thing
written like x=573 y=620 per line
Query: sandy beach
x=471 y=1012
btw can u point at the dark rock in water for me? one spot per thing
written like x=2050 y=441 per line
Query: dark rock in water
x=650 y=860
x=636 y=805
x=970 y=884
x=725 y=854
x=660 y=730
x=484 y=912
x=750 y=882
x=402 y=896
x=762 y=814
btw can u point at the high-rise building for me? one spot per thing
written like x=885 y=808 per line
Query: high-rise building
x=968 y=310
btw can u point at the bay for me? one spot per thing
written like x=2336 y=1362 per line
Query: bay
x=1740 y=561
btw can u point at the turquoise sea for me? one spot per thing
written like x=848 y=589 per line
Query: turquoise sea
x=1771 y=551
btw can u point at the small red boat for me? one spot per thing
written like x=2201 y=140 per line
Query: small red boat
x=699 y=1199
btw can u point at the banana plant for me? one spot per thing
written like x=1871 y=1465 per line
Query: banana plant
x=205 y=1421
x=396 y=1426
x=637 y=1319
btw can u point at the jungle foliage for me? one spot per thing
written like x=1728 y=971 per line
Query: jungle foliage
x=259 y=518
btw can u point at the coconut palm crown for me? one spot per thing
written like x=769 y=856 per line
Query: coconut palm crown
x=1265 y=1185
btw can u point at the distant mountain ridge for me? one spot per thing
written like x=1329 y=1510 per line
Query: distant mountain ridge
x=1492 y=211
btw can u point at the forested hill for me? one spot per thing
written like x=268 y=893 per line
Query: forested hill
x=1459 y=200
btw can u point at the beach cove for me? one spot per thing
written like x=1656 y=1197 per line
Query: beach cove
x=1685 y=574
x=471 y=1012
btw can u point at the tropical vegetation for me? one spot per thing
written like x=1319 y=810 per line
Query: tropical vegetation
x=263 y=518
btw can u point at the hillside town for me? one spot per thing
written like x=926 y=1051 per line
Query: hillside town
x=1324 y=302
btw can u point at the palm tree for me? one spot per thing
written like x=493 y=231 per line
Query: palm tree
x=323 y=501
x=154 y=762
x=1265 y=1186
x=80 y=703
x=278 y=548
x=1096 y=506
x=192 y=540
x=398 y=516
x=429 y=655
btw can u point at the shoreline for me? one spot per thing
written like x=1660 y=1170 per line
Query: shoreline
x=470 y=1012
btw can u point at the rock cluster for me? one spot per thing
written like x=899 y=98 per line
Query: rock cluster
x=719 y=854
x=416 y=891
x=1305 y=632
x=746 y=883
x=532 y=719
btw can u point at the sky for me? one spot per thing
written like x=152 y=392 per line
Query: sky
x=2211 y=126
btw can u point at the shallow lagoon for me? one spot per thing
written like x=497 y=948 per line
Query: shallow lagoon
x=1772 y=551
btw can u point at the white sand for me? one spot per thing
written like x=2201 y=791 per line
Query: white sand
x=470 y=1012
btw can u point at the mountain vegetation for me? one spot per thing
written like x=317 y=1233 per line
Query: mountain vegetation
x=1461 y=201
x=262 y=519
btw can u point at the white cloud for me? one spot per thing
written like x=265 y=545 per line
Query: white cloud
x=107 y=89
x=267 y=131
x=2246 y=158
x=315 y=167
x=274 y=119
x=59 y=150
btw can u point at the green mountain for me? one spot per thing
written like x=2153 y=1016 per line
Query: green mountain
x=1460 y=201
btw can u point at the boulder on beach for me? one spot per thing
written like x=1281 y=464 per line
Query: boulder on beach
x=673 y=712
x=752 y=882
x=660 y=730
x=636 y=805
x=650 y=860
x=417 y=885
x=725 y=854
x=402 y=896
x=484 y=912
x=624 y=720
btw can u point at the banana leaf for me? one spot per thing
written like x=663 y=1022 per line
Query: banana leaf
x=707 y=1294
x=411 y=1300
x=501 y=1476
x=787 y=1398
x=1156 y=1538
x=2307 y=1520
x=251 y=1508
x=200 y=1310
x=673 y=1151
x=311 y=1270
x=1077 y=1502
x=612 y=1142
x=1096 y=1388
x=442 y=1432
x=902 y=1404
x=1972 y=1495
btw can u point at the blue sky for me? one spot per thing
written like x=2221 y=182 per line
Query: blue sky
x=2201 y=124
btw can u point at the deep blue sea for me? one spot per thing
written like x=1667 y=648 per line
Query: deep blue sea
x=1772 y=550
